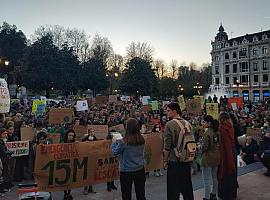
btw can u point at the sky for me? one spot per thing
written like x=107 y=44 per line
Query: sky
x=177 y=29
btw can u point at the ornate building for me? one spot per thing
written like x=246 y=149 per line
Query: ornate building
x=242 y=64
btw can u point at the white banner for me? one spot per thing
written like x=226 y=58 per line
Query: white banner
x=82 y=105
x=19 y=148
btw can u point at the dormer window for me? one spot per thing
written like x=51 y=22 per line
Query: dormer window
x=244 y=41
x=234 y=43
x=264 y=37
x=255 y=39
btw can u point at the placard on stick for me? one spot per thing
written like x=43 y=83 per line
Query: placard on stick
x=27 y=133
x=80 y=131
x=194 y=106
x=54 y=138
x=101 y=131
x=60 y=115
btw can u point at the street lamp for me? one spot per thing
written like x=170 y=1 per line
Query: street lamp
x=198 y=87
x=6 y=62
x=181 y=89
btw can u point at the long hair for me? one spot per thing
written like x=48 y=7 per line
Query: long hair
x=66 y=135
x=214 y=122
x=133 y=136
x=224 y=117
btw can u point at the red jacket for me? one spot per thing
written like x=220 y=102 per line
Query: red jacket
x=227 y=162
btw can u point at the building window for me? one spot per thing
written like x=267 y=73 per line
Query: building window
x=243 y=52
x=264 y=37
x=256 y=94
x=264 y=50
x=244 y=78
x=227 y=80
x=235 y=80
x=234 y=68
x=265 y=65
x=243 y=66
x=227 y=56
x=255 y=39
x=255 y=67
x=217 y=81
x=216 y=58
x=227 y=69
x=265 y=78
x=216 y=69
x=255 y=52
x=234 y=54
x=255 y=78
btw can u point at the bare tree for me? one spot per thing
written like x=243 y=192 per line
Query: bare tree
x=160 y=68
x=174 y=66
x=142 y=50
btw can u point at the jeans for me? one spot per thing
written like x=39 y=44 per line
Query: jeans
x=209 y=175
x=126 y=180
x=179 y=181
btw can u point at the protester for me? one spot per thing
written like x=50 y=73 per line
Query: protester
x=131 y=151
x=178 y=174
x=227 y=168
x=210 y=157
x=249 y=152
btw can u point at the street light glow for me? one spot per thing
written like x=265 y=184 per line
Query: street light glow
x=6 y=63
x=116 y=74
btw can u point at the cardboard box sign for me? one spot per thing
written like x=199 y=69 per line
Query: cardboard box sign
x=101 y=131
x=80 y=131
x=53 y=138
x=60 y=115
x=194 y=106
x=113 y=99
x=27 y=133
x=101 y=99
x=119 y=128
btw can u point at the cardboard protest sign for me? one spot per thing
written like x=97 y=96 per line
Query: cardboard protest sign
x=212 y=110
x=153 y=149
x=118 y=128
x=101 y=99
x=146 y=100
x=125 y=98
x=182 y=102
x=80 y=131
x=201 y=99
x=60 y=115
x=82 y=105
x=4 y=97
x=154 y=105
x=65 y=166
x=194 y=106
x=238 y=100
x=255 y=133
x=19 y=148
x=53 y=138
x=90 y=101
x=112 y=98
x=146 y=108
x=27 y=134
x=101 y=131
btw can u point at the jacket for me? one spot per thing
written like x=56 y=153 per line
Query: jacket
x=131 y=157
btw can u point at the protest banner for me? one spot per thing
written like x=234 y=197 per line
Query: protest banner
x=154 y=105
x=4 y=97
x=112 y=98
x=153 y=149
x=119 y=128
x=255 y=133
x=53 y=138
x=212 y=110
x=201 y=99
x=101 y=100
x=238 y=100
x=18 y=148
x=73 y=165
x=82 y=105
x=194 y=106
x=101 y=131
x=146 y=100
x=182 y=102
x=60 y=115
x=27 y=134
x=80 y=131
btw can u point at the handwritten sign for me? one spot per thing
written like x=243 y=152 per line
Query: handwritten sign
x=194 y=106
x=212 y=110
x=19 y=148
x=82 y=105
x=101 y=131
x=182 y=102
x=80 y=131
x=27 y=133
x=112 y=98
x=118 y=128
x=60 y=115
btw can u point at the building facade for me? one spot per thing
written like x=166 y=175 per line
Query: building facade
x=242 y=64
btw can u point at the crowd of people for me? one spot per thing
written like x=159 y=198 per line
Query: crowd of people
x=218 y=147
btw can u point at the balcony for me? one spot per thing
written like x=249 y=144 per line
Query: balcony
x=265 y=84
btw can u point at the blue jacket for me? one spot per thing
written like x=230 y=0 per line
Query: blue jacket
x=131 y=157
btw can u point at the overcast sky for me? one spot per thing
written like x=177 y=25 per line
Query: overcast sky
x=177 y=29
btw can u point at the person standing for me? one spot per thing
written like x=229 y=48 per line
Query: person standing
x=131 y=151
x=210 y=157
x=178 y=174
x=227 y=184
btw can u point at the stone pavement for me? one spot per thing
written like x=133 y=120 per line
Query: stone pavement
x=253 y=186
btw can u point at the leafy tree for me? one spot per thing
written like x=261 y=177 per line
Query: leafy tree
x=168 y=87
x=139 y=76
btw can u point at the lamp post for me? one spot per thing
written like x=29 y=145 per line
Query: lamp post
x=181 y=89
x=198 y=87
x=112 y=76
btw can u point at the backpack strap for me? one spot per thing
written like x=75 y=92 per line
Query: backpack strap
x=180 y=136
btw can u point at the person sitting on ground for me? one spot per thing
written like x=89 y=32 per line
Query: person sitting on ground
x=250 y=150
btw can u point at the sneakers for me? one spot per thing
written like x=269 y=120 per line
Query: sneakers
x=160 y=174
x=156 y=174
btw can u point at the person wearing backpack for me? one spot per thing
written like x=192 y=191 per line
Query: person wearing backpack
x=179 y=152
x=210 y=157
